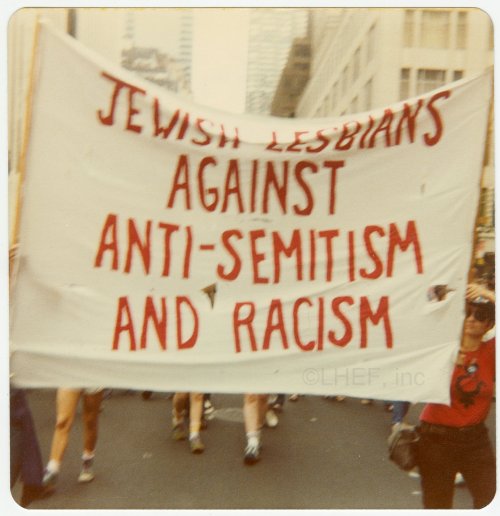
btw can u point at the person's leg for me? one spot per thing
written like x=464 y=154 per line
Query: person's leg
x=26 y=458
x=478 y=467
x=91 y=409
x=254 y=409
x=179 y=406
x=399 y=411
x=280 y=401
x=66 y=404
x=195 y=417
x=437 y=472
x=17 y=414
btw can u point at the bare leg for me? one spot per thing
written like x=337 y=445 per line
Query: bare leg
x=179 y=405
x=254 y=410
x=66 y=403
x=195 y=412
x=195 y=415
x=91 y=406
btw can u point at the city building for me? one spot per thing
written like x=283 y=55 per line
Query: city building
x=293 y=79
x=271 y=33
x=158 y=46
x=157 y=63
x=20 y=48
x=367 y=58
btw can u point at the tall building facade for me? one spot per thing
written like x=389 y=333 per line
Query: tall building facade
x=166 y=60
x=271 y=33
x=293 y=79
x=368 y=58
x=20 y=43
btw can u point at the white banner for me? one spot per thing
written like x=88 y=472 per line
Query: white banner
x=339 y=247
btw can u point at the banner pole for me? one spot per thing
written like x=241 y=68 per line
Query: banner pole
x=487 y=143
x=26 y=136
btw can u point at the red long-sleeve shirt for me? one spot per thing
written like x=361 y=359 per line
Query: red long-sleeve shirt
x=472 y=389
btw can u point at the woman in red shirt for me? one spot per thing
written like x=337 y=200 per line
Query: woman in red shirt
x=454 y=438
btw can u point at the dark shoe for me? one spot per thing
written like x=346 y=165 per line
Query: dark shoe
x=252 y=455
x=32 y=493
x=196 y=445
x=146 y=395
x=277 y=407
x=179 y=432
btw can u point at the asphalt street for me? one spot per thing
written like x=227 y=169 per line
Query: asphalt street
x=323 y=454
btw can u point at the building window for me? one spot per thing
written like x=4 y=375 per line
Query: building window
x=370 y=47
x=356 y=64
x=409 y=28
x=368 y=94
x=457 y=75
x=435 y=29
x=461 y=29
x=404 y=84
x=428 y=80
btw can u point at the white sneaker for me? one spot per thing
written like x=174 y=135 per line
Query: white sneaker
x=459 y=479
x=208 y=408
x=271 y=419
x=87 y=472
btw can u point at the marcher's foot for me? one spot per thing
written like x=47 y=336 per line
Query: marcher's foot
x=50 y=479
x=413 y=473
x=146 y=395
x=179 y=432
x=32 y=493
x=294 y=397
x=196 y=445
x=339 y=398
x=271 y=419
x=252 y=454
x=459 y=479
x=87 y=472
x=366 y=401
x=277 y=407
x=208 y=408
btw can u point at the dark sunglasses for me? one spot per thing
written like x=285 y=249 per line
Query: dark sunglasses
x=477 y=313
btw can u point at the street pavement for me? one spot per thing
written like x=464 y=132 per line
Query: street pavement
x=323 y=454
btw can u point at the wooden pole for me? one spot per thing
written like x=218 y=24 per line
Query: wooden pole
x=26 y=136
x=487 y=144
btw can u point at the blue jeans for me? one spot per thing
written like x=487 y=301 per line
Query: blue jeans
x=399 y=411
x=25 y=456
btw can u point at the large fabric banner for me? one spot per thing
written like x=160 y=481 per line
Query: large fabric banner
x=168 y=246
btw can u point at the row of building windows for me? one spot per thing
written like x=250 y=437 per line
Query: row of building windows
x=412 y=82
x=362 y=56
x=424 y=80
x=433 y=29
